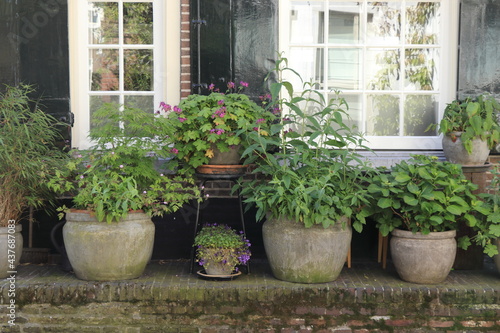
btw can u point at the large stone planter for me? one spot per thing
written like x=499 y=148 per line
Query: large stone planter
x=306 y=255
x=104 y=252
x=425 y=259
x=455 y=152
x=10 y=260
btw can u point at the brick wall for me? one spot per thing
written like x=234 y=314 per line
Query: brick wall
x=185 y=50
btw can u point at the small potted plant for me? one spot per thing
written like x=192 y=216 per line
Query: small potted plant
x=420 y=202
x=470 y=129
x=220 y=249
x=28 y=158
x=205 y=126
x=117 y=186
x=313 y=183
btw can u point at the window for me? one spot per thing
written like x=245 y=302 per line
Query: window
x=393 y=61
x=117 y=51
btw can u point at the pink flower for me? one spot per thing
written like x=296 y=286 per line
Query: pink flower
x=211 y=87
x=174 y=151
x=121 y=166
x=177 y=109
x=230 y=85
x=165 y=107
x=261 y=120
x=244 y=84
x=220 y=102
x=182 y=119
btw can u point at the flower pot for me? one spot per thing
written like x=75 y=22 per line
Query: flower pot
x=222 y=169
x=232 y=156
x=425 y=259
x=455 y=152
x=218 y=267
x=10 y=239
x=305 y=255
x=104 y=252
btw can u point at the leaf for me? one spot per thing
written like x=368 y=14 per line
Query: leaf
x=410 y=200
x=384 y=203
x=455 y=210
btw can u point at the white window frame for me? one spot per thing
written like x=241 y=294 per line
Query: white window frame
x=167 y=25
x=447 y=80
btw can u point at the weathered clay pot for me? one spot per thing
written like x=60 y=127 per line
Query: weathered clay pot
x=306 y=255
x=456 y=153
x=425 y=259
x=17 y=240
x=217 y=268
x=497 y=257
x=232 y=156
x=104 y=252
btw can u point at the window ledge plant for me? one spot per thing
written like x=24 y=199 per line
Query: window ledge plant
x=202 y=123
x=119 y=173
x=220 y=245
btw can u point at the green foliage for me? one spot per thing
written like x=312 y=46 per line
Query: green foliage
x=314 y=174
x=220 y=243
x=475 y=118
x=422 y=195
x=28 y=154
x=120 y=172
x=225 y=120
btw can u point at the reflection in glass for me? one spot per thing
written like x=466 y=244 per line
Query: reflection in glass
x=308 y=62
x=423 y=22
x=382 y=115
x=420 y=112
x=383 y=23
x=138 y=22
x=138 y=70
x=383 y=69
x=343 y=68
x=104 y=70
x=307 y=20
x=421 y=69
x=103 y=22
x=343 y=23
x=354 y=112
x=145 y=103
x=97 y=101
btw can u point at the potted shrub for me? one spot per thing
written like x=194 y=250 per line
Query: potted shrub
x=28 y=158
x=313 y=183
x=421 y=202
x=220 y=249
x=470 y=129
x=204 y=126
x=117 y=186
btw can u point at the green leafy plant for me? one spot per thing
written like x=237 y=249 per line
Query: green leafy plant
x=422 y=195
x=474 y=118
x=218 y=243
x=29 y=156
x=120 y=172
x=314 y=174
x=222 y=119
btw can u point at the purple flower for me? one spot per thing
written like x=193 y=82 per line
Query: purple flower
x=220 y=102
x=174 y=151
x=261 y=120
x=211 y=87
x=181 y=119
x=165 y=107
x=230 y=85
x=244 y=84
x=177 y=109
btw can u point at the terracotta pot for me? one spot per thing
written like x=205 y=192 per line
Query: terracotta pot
x=455 y=152
x=232 y=156
x=306 y=255
x=103 y=251
x=10 y=239
x=425 y=259
x=230 y=169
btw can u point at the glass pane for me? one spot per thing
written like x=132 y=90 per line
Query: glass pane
x=138 y=22
x=138 y=70
x=343 y=69
x=97 y=101
x=343 y=23
x=383 y=69
x=382 y=115
x=307 y=22
x=423 y=22
x=420 y=112
x=104 y=70
x=103 y=23
x=383 y=23
x=355 y=110
x=421 y=69
x=308 y=62
x=145 y=103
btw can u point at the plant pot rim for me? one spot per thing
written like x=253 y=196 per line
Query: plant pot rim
x=432 y=235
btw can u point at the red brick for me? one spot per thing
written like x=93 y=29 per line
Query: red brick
x=438 y=323
x=399 y=322
x=468 y=323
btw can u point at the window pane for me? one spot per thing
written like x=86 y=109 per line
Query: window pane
x=138 y=23
x=97 y=101
x=382 y=115
x=307 y=22
x=138 y=70
x=383 y=23
x=309 y=63
x=343 y=24
x=355 y=110
x=103 y=23
x=104 y=70
x=145 y=103
x=423 y=22
x=343 y=69
x=421 y=69
x=420 y=112
x=383 y=69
